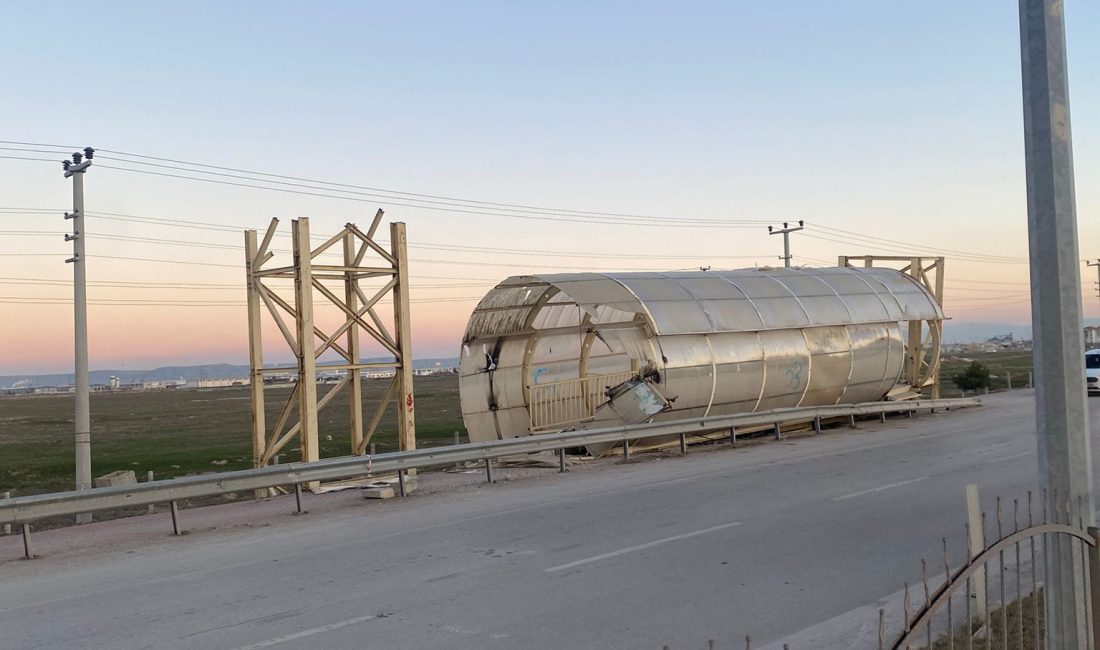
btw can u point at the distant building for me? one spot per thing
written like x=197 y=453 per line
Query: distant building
x=1092 y=337
x=221 y=383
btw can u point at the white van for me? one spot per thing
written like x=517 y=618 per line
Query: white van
x=1092 y=371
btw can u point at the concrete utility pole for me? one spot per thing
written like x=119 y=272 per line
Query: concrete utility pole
x=1065 y=465
x=786 y=232
x=1097 y=265
x=83 y=431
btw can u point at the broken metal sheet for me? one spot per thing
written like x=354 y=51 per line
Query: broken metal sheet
x=713 y=342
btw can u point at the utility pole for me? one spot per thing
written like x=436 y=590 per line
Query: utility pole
x=786 y=232
x=1097 y=265
x=83 y=430
x=1065 y=462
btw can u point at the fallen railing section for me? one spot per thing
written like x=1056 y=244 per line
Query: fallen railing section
x=22 y=510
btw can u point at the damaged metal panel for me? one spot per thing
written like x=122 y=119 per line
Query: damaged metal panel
x=711 y=342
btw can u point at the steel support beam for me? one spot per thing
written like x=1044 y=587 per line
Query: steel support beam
x=255 y=348
x=307 y=350
x=307 y=341
x=406 y=421
x=355 y=386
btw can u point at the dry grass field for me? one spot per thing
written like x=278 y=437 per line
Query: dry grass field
x=178 y=432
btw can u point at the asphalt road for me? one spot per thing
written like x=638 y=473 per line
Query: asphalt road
x=775 y=540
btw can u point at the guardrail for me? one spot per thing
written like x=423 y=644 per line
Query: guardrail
x=22 y=510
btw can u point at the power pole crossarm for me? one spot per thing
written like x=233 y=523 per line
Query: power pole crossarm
x=75 y=169
x=786 y=232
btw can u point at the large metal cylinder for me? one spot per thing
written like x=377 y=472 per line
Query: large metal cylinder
x=545 y=353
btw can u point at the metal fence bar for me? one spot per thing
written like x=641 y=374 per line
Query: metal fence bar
x=570 y=401
x=967 y=573
x=30 y=508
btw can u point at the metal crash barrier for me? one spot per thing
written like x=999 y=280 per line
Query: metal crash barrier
x=24 y=510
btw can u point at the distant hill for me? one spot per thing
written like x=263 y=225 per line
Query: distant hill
x=956 y=331
x=188 y=373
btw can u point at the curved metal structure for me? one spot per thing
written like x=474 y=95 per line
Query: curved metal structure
x=550 y=352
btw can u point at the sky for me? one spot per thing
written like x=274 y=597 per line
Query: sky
x=889 y=127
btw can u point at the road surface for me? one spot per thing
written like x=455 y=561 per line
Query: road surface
x=782 y=540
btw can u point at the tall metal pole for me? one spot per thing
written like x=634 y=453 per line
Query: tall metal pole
x=786 y=232
x=1065 y=465
x=82 y=420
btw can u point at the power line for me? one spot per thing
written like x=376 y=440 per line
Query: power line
x=430 y=199
x=40 y=144
x=196 y=286
x=121 y=302
x=424 y=246
x=459 y=205
x=421 y=200
x=513 y=206
x=894 y=242
x=508 y=215
x=49 y=160
x=852 y=238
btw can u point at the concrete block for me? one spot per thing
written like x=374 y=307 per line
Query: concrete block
x=121 y=477
x=378 y=492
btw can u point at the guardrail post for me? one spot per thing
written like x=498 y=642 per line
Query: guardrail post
x=1094 y=581
x=28 y=552
x=489 y=469
x=152 y=507
x=401 y=482
x=882 y=417
x=7 y=527
x=174 y=507
x=683 y=443
x=626 y=450
x=852 y=421
x=778 y=432
x=817 y=424
x=298 y=496
x=561 y=460
x=733 y=436
x=458 y=441
x=1008 y=377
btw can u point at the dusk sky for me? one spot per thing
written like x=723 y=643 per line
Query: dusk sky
x=889 y=127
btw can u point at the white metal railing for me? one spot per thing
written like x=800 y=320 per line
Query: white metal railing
x=559 y=404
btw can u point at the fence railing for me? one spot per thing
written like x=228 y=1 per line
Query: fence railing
x=994 y=599
x=22 y=510
x=562 y=403
x=1000 y=586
